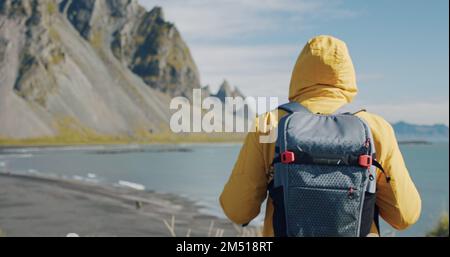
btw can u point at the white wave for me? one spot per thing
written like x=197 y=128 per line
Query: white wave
x=131 y=185
x=79 y=178
x=16 y=156
x=47 y=149
x=90 y=178
x=33 y=171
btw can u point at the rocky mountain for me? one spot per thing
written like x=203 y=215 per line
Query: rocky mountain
x=151 y=47
x=104 y=66
x=246 y=112
x=411 y=132
x=226 y=90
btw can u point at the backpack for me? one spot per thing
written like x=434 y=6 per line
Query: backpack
x=324 y=180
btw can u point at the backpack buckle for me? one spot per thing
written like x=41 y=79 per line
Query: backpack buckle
x=365 y=161
x=287 y=157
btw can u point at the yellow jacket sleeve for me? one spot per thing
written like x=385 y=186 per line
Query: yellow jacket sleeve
x=246 y=189
x=398 y=200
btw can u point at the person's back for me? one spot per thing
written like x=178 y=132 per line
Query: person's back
x=323 y=81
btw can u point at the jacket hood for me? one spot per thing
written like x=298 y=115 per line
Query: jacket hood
x=324 y=76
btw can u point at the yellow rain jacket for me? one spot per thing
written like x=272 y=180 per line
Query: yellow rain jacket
x=323 y=80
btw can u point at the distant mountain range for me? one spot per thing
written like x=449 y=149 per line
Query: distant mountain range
x=429 y=133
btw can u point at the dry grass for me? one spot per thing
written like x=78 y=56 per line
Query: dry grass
x=56 y=58
x=97 y=40
x=214 y=231
x=70 y=132
x=51 y=7
x=54 y=35
x=95 y=139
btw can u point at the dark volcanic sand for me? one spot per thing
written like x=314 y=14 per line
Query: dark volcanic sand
x=39 y=206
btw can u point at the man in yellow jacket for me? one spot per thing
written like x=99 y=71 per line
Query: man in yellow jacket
x=323 y=81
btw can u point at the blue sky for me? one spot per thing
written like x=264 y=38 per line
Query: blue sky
x=400 y=48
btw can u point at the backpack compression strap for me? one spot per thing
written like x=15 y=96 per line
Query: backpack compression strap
x=304 y=158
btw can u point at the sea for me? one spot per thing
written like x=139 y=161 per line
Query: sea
x=199 y=172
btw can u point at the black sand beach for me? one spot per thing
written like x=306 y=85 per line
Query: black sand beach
x=41 y=206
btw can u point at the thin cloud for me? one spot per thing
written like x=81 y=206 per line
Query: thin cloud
x=212 y=30
x=201 y=20
x=246 y=59
x=256 y=70
x=421 y=113
x=228 y=40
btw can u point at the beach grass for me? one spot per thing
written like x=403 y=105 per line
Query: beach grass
x=214 y=231
x=71 y=132
x=441 y=228
x=161 y=138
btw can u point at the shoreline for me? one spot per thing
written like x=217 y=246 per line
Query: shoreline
x=38 y=206
x=110 y=149
x=158 y=143
x=75 y=139
x=114 y=145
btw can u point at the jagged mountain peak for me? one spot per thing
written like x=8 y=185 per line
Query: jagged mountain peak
x=157 y=13
x=89 y=16
x=142 y=40
x=226 y=90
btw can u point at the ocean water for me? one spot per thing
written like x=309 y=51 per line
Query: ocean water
x=199 y=172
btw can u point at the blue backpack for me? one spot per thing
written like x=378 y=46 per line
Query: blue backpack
x=324 y=180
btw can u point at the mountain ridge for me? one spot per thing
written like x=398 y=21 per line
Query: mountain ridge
x=56 y=68
x=413 y=132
